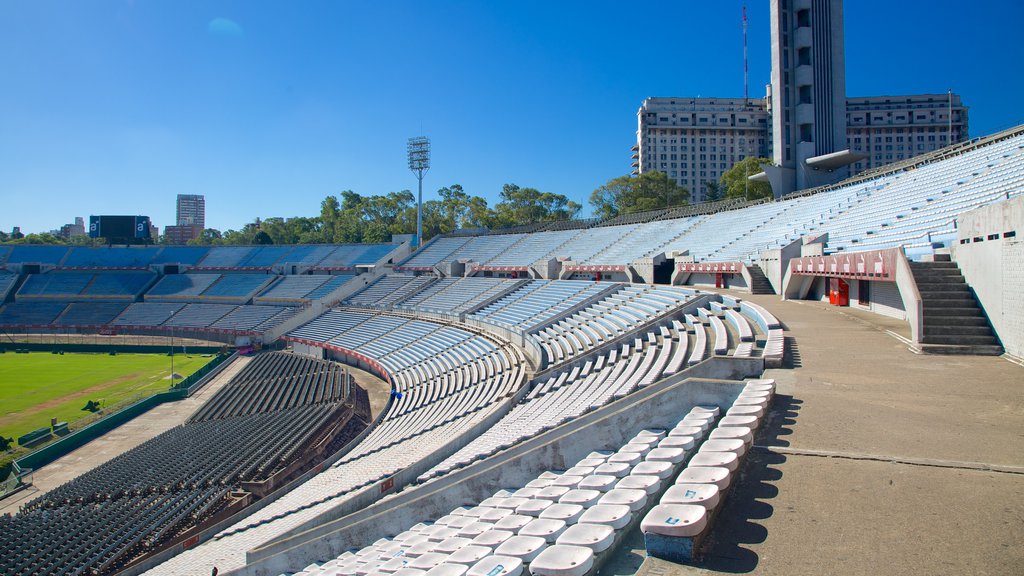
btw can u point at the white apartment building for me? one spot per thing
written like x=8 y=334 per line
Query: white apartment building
x=695 y=140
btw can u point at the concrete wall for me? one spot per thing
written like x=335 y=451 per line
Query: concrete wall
x=990 y=253
x=660 y=405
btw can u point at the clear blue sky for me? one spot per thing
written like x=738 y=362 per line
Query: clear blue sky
x=116 y=106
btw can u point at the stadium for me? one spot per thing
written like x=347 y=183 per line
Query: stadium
x=564 y=399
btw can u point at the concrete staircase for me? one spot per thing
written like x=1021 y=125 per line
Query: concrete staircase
x=760 y=282
x=954 y=323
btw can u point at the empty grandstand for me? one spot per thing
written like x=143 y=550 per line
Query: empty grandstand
x=278 y=417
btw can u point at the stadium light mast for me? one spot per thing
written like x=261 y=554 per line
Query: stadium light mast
x=419 y=163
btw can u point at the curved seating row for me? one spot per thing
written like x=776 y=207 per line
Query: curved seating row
x=566 y=523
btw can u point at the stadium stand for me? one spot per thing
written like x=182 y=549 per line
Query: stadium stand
x=90 y=314
x=198 y=315
x=297 y=290
x=181 y=287
x=7 y=281
x=111 y=258
x=28 y=254
x=348 y=256
x=261 y=425
x=183 y=255
x=147 y=313
x=236 y=287
x=30 y=313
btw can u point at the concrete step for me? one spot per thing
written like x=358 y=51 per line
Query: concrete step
x=961 y=340
x=937 y=279
x=951 y=311
x=978 y=320
x=961 y=330
x=933 y=303
x=947 y=295
x=933 y=265
x=959 y=349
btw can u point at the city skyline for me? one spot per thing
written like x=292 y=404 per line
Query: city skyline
x=117 y=108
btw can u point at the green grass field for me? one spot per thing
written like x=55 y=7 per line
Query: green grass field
x=38 y=386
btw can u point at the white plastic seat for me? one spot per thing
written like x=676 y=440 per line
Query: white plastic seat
x=524 y=493
x=513 y=522
x=705 y=475
x=552 y=493
x=711 y=409
x=469 y=555
x=735 y=432
x=539 y=483
x=727 y=460
x=525 y=548
x=701 y=421
x=579 y=470
x=563 y=560
x=751 y=410
x=658 y=433
x=617 y=469
x=679 y=520
x=533 y=507
x=673 y=455
x=599 y=482
x=681 y=442
x=600 y=454
x=706 y=495
x=446 y=569
x=754 y=393
x=451 y=545
x=662 y=470
x=475 y=529
x=568 y=513
x=394 y=564
x=724 y=445
x=687 y=431
x=567 y=481
x=407 y=571
x=420 y=549
x=495 y=514
x=427 y=561
x=583 y=497
x=597 y=537
x=440 y=532
x=513 y=502
x=641 y=446
x=649 y=483
x=630 y=458
x=547 y=528
x=635 y=499
x=497 y=566
x=615 y=515
x=760 y=401
x=492 y=538
x=591 y=462
x=748 y=421
x=368 y=568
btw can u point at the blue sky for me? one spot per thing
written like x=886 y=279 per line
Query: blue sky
x=116 y=106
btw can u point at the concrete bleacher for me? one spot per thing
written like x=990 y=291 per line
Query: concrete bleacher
x=180 y=287
x=7 y=281
x=389 y=289
x=28 y=254
x=349 y=256
x=147 y=313
x=30 y=313
x=456 y=295
x=295 y=290
x=183 y=255
x=540 y=300
x=198 y=315
x=433 y=253
x=90 y=313
x=111 y=258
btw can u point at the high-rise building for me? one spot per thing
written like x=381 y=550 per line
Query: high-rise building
x=814 y=134
x=808 y=94
x=887 y=129
x=73 y=230
x=695 y=140
x=191 y=210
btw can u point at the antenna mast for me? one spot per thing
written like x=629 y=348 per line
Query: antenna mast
x=746 y=95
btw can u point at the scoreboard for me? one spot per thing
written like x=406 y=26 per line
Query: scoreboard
x=119 y=227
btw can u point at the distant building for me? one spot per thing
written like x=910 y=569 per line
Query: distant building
x=181 y=234
x=814 y=134
x=891 y=128
x=191 y=210
x=695 y=140
x=190 y=221
x=73 y=230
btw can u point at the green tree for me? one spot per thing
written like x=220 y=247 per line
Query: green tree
x=734 y=180
x=712 y=191
x=528 y=206
x=628 y=194
x=261 y=238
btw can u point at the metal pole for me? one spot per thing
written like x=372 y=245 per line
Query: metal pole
x=950 y=116
x=419 y=210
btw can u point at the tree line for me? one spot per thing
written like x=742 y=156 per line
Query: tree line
x=349 y=217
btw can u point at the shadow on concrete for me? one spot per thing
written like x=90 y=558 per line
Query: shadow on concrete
x=792 y=354
x=727 y=547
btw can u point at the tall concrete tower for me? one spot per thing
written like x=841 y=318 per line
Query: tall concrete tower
x=808 y=95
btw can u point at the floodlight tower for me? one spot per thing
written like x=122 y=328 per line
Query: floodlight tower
x=419 y=163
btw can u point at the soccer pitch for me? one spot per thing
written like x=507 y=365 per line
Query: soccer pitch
x=38 y=386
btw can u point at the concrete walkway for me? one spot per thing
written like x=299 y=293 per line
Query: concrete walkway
x=159 y=419
x=875 y=460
